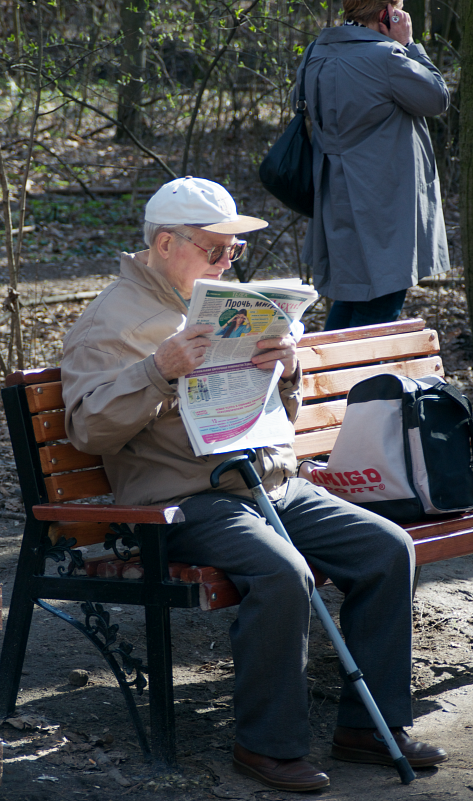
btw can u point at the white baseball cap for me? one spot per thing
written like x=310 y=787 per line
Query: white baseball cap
x=196 y=201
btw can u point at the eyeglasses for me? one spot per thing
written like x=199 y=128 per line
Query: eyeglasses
x=214 y=254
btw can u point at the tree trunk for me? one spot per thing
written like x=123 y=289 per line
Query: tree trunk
x=466 y=151
x=444 y=23
x=416 y=8
x=133 y=60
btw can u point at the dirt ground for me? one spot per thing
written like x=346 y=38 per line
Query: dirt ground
x=78 y=741
x=72 y=746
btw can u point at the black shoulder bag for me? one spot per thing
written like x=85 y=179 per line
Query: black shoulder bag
x=286 y=171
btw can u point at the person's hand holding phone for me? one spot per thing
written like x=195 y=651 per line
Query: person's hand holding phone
x=396 y=23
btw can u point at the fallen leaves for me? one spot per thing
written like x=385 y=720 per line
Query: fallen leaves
x=14 y=505
x=224 y=665
x=83 y=757
x=31 y=722
x=82 y=754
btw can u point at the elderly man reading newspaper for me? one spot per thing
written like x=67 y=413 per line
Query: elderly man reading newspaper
x=122 y=362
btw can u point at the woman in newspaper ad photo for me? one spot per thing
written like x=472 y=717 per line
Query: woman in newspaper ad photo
x=236 y=326
x=378 y=225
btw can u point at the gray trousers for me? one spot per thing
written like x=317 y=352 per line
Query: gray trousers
x=368 y=558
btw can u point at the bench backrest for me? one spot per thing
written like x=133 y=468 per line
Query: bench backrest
x=333 y=361
x=52 y=470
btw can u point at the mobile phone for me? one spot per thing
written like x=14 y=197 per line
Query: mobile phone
x=385 y=19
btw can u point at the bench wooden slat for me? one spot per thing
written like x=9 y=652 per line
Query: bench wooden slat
x=44 y=397
x=321 y=415
x=347 y=334
x=84 y=533
x=72 y=486
x=100 y=513
x=202 y=575
x=218 y=594
x=63 y=457
x=460 y=543
x=440 y=526
x=339 y=382
x=343 y=354
x=315 y=443
x=49 y=426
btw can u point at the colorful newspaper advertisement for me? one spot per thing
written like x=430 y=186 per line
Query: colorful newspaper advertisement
x=228 y=404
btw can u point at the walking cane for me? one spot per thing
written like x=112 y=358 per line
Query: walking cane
x=253 y=482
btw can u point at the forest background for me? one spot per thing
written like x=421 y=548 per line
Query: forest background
x=102 y=102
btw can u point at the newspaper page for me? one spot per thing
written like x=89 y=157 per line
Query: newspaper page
x=228 y=404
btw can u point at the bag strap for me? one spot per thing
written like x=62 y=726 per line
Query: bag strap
x=301 y=99
x=455 y=395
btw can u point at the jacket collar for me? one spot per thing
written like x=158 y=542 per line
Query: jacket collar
x=132 y=268
x=351 y=33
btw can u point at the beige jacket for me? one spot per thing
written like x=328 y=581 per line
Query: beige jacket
x=118 y=404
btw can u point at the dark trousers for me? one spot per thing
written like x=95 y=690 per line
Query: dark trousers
x=351 y=314
x=368 y=558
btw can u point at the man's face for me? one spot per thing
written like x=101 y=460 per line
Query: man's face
x=188 y=262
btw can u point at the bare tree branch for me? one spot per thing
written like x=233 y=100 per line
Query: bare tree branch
x=97 y=130
x=7 y=220
x=53 y=110
x=132 y=136
x=329 y=14
x=448 y=45
x=30 y=143
x=274 y=242
x=66 y=166
x=86 y=55
x=237 y=23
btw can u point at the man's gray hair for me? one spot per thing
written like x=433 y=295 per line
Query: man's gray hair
x=152 y=230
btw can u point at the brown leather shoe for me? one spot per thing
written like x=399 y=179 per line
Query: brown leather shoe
x=367 y=745
x=294 y=775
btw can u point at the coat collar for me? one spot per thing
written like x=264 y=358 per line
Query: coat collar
x=351 y=33
x=134 y=269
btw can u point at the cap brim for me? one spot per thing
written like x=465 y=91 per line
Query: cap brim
x=242 y=225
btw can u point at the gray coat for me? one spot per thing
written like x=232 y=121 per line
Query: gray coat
x=378 y=224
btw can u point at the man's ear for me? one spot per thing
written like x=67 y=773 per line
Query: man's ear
x=163 y=243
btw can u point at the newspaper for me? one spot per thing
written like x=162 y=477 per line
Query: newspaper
x=228 y=403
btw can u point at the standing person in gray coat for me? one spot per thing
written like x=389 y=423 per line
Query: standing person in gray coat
x=378 y=225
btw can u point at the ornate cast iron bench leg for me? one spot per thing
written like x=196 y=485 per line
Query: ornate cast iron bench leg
x=19 y=618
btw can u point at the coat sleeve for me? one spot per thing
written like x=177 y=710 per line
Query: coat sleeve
x=107 y=401
x=291 y=395
x=417 y=86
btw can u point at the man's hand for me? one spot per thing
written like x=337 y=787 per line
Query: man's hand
x=400 y=31
x=183 y=352
x=282 y=349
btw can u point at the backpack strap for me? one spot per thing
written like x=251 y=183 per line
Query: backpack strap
x=455 y=395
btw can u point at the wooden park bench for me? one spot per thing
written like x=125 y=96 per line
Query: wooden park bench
x=54 y=476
